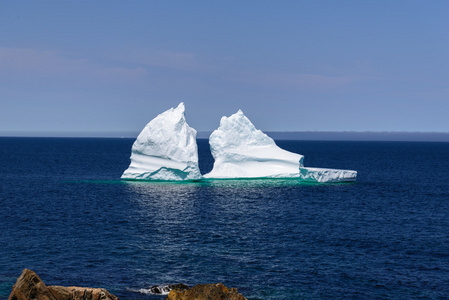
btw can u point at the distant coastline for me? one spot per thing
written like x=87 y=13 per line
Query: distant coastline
x=401 y=136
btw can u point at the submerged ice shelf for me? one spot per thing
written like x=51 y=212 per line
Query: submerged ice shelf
x=326 y=175
x=166 y=149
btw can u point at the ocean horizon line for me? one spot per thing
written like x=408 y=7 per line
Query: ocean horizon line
x=276 y=135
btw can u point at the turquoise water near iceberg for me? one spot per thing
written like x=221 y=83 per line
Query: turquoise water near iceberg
x=66 y=215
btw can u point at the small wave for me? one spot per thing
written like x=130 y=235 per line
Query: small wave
x=161 y=289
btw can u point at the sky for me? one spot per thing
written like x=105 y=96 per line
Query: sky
x=112 y=66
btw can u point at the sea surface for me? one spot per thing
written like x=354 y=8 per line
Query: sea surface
x=66 y=215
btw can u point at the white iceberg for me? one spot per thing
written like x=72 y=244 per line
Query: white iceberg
x=166 y=149
x=242 y=151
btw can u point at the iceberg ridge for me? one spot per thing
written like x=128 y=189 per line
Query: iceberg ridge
x=242 y=151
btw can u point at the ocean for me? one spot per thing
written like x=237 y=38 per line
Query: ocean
x=66 y=215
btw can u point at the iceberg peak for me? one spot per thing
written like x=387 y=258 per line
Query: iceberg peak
x=166 y=149
x=238 y=131
x=181 y=107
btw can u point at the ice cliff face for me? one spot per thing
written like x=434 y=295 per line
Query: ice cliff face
x=166 y=149
x=242 y=151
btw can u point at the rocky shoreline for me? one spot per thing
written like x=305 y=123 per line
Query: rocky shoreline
x=30 y=287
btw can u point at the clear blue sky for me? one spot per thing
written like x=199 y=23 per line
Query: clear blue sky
x=289 y=65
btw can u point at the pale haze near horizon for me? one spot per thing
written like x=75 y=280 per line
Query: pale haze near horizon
x=103 y=66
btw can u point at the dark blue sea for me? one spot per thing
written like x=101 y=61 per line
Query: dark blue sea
x=66 y=215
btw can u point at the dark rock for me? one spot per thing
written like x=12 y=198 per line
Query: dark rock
x=30 y=287
x=216 y=291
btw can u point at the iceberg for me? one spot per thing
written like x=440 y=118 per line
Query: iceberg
x=242 y=151
x=166 y=149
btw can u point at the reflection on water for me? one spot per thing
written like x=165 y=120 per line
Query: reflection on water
x=162 y=199
x=206 y=231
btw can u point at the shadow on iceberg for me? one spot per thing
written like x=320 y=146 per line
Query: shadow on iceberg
x=166 y=150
